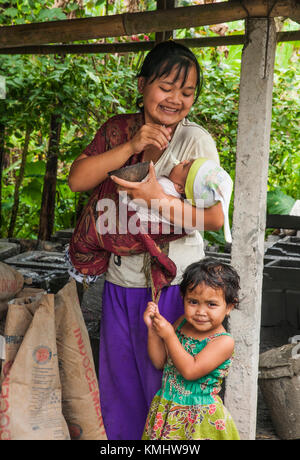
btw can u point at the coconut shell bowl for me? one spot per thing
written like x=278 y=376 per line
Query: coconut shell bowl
x=133 y=173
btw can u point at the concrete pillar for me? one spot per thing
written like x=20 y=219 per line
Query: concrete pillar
x=249 y=218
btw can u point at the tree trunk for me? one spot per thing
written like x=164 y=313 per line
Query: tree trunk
x=49 y=188
x=18 y=184
x=2 y=129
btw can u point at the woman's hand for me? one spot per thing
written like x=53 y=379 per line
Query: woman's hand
x=150 y=135
x=179 y=213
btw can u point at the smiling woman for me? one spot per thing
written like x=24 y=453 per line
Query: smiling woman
x=168 y=99
x=169 y=82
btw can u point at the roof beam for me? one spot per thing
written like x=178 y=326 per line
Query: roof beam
x=146 y=22
x=102 y=48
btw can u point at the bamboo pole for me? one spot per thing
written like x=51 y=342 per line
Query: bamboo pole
x=99 y=48
x=146 y=22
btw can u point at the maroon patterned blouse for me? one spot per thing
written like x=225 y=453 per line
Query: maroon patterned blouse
x=90 y=249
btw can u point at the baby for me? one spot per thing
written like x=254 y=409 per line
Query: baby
x=201 y=181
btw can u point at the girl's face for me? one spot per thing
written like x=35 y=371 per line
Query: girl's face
x=165 y=102
x=205 y=309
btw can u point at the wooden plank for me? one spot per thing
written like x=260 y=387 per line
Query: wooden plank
x=283 y=221
x=166 y=34
x=135 y=47
x=120 y=47
x=291 y=36
x=146 y=22
x=101 y=48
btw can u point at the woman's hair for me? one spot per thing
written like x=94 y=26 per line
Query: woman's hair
x=214 y=273
x=164 y=57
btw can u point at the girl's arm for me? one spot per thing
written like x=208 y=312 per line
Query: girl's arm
x=89 y=171
x=193 y=367
x=156 y=346
x=179 y=213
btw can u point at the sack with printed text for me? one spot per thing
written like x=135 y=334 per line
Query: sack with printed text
x=30 y=396
x=11 y=282
x=80 y=390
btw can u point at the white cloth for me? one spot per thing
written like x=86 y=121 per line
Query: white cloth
x=151 y=215
x=144 y=213
x=189 y=142
x=295 y=211
x=212 y=184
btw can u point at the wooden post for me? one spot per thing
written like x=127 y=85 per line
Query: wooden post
x=249 y=217
x=166 y=34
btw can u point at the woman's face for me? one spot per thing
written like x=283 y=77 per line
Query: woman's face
x=165 y=101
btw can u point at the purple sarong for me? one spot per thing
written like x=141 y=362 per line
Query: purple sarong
x=127 y=378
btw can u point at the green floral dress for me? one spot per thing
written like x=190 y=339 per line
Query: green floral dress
x=190 y=409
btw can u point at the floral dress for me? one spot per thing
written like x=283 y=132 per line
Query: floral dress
x=190 y=409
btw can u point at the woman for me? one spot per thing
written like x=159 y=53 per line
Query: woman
x=169 y=83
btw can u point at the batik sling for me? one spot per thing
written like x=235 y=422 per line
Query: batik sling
x=90 y=249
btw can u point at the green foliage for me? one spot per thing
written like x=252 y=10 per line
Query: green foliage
x=85 y=90
x=278 y=202
x=284 y=170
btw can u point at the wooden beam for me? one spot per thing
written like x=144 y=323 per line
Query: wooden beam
x=146 y=22
x=283 y=221
x=134 y=47
x=97 y=48
x=291 y=36
x=119 y=47
x=166 y=34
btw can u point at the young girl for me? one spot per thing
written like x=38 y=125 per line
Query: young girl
x=169 y=83
x=196 y=354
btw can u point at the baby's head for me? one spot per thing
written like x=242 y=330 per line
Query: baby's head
x=204 y=183
x=215 y=274
x=179 y=173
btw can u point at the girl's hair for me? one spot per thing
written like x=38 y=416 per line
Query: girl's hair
x=214 y=273
x=164 y=57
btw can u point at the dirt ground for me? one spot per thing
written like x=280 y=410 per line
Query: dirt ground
x=264 y=427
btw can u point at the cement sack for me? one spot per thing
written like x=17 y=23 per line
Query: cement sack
x=29 y=291
x=30 y=398
x=11 y=282
x=18 y=319
x=80 y=390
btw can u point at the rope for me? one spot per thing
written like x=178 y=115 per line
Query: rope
x=149 y=280
x=146 y=269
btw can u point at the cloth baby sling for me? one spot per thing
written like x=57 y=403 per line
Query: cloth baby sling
x=90 y=249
